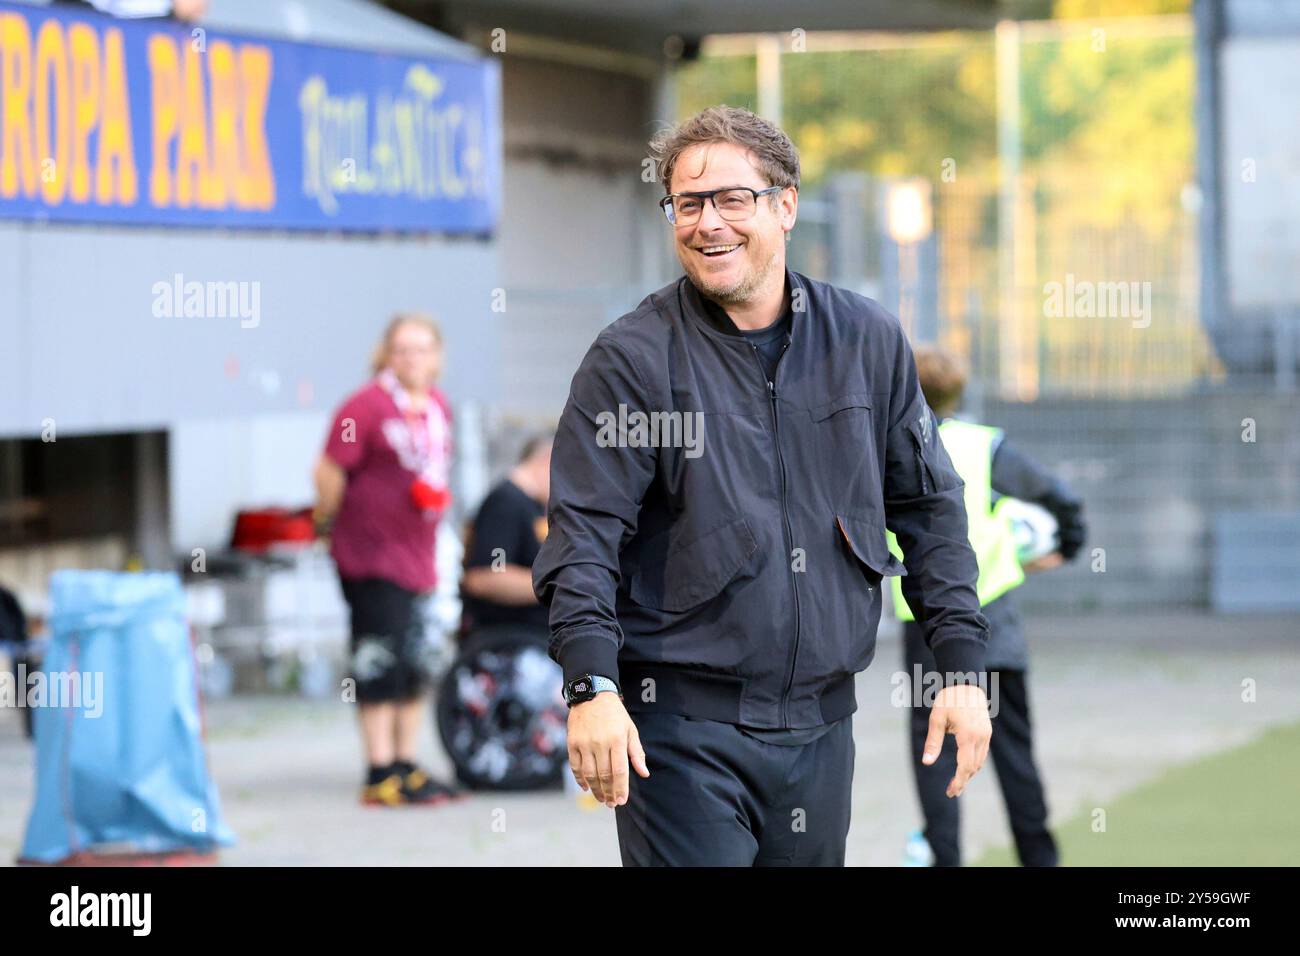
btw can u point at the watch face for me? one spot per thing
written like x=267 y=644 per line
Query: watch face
x=581 y=686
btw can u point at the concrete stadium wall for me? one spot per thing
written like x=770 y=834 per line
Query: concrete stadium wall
x=246 y=404
x=1154 y=473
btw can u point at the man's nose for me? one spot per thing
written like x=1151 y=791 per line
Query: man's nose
x=709 y=218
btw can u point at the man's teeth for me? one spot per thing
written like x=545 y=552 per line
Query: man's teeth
x=711 y=249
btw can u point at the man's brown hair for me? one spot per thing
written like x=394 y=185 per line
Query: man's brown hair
x=773 y=153
x=943 y=378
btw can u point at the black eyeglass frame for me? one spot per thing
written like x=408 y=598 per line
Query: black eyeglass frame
x=666 y=204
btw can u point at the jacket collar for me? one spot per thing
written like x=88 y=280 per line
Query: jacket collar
x=708 y=313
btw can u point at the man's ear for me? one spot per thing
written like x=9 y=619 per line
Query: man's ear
x=789 y=206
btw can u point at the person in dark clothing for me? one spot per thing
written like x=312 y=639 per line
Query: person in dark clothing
x=729 y=458
x=14 y=641
x=504 y=538
x=1012 y=474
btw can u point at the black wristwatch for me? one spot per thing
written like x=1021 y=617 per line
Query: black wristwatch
x=584 y=688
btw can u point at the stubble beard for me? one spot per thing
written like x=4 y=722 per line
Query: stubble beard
x=742 y=291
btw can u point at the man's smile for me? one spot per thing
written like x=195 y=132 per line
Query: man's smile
x=718 y=250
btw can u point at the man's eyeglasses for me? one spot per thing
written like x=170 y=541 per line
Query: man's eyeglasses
x=734 y=204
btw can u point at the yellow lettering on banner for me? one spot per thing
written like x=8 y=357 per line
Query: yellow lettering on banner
x=51 y=57
x=165 y=82
x=64 y=95
x=420 y=146
x=116 y=151
x=224 y=173
x=83 y=43
x=453 y=185
x=237 y=169
x=256 y=181
x=16 y=155
x=192 y=152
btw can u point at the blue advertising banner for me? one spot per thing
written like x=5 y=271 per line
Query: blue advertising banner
x=155 y=122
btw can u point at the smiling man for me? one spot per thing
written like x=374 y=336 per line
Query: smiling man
x=710 y=611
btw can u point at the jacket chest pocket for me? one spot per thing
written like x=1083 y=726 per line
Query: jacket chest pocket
x=677 y=576
x=865 y=543
x=853 y=409
x=843 y=450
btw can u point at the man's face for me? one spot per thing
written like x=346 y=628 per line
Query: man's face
x=744 y=257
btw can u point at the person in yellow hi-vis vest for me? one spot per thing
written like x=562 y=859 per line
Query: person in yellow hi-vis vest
x=994 y=472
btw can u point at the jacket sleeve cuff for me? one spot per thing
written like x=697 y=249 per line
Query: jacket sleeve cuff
x=590 y=651
x=960 y=660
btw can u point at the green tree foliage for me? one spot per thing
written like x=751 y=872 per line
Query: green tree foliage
x=1106 y=117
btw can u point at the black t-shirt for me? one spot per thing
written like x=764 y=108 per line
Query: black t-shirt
x=770 y=342
x=515 y=524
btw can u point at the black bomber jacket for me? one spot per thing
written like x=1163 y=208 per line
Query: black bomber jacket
x=717 y=541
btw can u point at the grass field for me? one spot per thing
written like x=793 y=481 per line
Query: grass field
x=1239 y=807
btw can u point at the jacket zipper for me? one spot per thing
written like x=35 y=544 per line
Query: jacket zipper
x=920 y=465
x=789 y=533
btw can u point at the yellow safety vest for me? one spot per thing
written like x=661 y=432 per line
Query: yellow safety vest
x=970 y=447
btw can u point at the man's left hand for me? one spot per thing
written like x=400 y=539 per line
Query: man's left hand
x=963 y=711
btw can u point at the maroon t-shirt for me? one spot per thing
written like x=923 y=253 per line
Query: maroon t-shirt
x=379 y=531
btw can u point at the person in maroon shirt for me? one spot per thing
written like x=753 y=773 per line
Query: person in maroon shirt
x=383 y=480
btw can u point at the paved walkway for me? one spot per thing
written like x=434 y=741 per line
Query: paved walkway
x=1116 y=701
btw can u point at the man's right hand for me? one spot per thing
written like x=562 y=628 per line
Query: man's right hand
x=602 y=738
